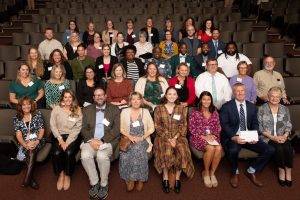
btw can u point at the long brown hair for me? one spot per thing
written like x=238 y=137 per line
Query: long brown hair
x=157 y=71
x=20 y=113
x=51 y=60
x=164 y=100
x=18 y=73
x=75 y=109
x=39 y=65
x=211 y=107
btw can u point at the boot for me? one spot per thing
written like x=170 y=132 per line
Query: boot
x=30 y=160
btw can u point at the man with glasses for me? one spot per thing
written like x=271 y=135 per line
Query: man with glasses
x=193 y=43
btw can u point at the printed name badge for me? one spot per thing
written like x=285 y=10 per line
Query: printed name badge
x=203 y=64
x=162 y=65
x=162 y=95
x=74 y=49
x=177 y=117
x=177 y=86
x=151 y=34
x=220 y=51
x=30 y=84
x=105 y=122
x=182 y=60
x=188 y=64
x=133 y=36
x=111 y=35
x=32 y=136
x=207 y=131
x=99 y=47
x=49 y=68
x=62 y=87
x=72 y=119
x=239 y=80
x=100 y=66
x=68 y=37
x=136 y=124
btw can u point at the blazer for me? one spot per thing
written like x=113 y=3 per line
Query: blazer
x=101 y=72
x=230 y=120
x=111 y=132
x=175 y=61
x=155 y=37
x=139 y=63
x=213 y=53
x=192 y=50
x=199 y=68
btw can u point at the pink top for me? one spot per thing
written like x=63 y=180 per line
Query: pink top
x=106 y=68
x=93 y=52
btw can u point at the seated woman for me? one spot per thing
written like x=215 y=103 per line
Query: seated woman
x=152 y=86
x=205 y=128
x=168 y=27
x=184 y=85
x=55 y=85
x=171 y=149
x=86 y=86
x=137 y=125
x=242 y=77
x=88 y=35
x=152 y=35
x=105 y=63
x=29 y=130
x=35 y=62
x=275 y=126
x=143 y=48
x=65 y=123
x=109 y=35
x=57 y=58
x=94 y=49
x=117 y=48
x=168 y=47
x=205 y=33
x=163 y=65
x=118 y=88
x=72 y=28
x=130 y=34
x=25 y=85
x=70 y=48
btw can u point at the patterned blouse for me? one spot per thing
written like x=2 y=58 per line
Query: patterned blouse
x=53 y=91
x=198 y=125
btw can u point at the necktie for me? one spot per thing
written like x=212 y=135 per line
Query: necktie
x=213 y=89
x=99 y=109
x=216 y=45
x=242 y=118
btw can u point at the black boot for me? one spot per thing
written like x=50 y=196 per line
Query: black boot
x=177 y=186
x=30 y=160
x=166 y=186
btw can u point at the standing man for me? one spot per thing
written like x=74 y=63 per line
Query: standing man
x=49 y=44
x=216 y=46
x=193 y=43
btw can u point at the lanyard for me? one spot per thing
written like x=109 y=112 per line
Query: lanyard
x=28 y=128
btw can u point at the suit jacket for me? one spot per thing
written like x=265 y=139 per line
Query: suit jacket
x=199 y=69
x=101 y=72
x=139 y=63
x=192 y=49
x=111 y=132
x=175 y=61
x=230 y=120
x=213 y=53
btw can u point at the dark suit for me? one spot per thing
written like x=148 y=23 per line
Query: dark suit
x=175 y=61
x=199 y=60
x=213 y=53
x=100 y=71
x=230 y=122
x=111 y=132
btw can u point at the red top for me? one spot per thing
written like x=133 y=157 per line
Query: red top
x=204 y=37
x=190 y=86
x=106 y=68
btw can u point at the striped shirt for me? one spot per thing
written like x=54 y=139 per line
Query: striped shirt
x=132 y=71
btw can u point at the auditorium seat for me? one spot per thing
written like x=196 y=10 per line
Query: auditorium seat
x=9 y=52
x=274 y=49
x=11 y=69
x=292 y=90
x=293 y=66
x=253 y=50
x=4 y=98
x=20 y=38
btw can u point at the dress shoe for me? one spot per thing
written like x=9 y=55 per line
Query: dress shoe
x=67 y=182
x=34 y=184
x=281 y=182
x=253 y=179
x=234 y=180
x=139 y=185
x=130 y=185
x=206 y=180
x=214 y=181
x=177 y=186
x=166 y=186
x=288 y=183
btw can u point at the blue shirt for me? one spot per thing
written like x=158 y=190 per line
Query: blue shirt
x=99 y=128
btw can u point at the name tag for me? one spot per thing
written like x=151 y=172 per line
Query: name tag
x=72 y=119
x=177 y=117
x=99 y=47
x=239 y=80
x=207 y=131
x=182 y=60
x=32 y=136
x=62 y=87
x=151 y=34
x=30 y=84
x=68 y=37
x=162 y=65
x=49 y=68
x=105 y=122
x=100 y=66
x=162 y=95
x=74 y=49
x=111 y=35
x=220 y=51
x=203 y=64
x=188 y=64
x=85 y=104
x=136 y=124
x=133 y=36
x=177 y=86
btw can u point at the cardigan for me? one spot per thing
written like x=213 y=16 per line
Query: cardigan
x=147 y=121
x=141 y=83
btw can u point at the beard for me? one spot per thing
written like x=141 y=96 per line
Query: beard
x=231 y=53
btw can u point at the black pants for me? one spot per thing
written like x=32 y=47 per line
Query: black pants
x=283 y=156
x=65 y=160
x=30 y=161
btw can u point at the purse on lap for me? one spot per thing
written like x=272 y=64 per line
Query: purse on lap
x=124 y=143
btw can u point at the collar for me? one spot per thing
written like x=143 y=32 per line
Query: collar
x=101 y=107
x=182 y=56
x=239 y=103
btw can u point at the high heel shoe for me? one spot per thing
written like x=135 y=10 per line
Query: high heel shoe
x=281 y=182
x=288 y=183
x=166 y=186
x=177 y=186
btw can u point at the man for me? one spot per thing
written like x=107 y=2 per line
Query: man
x=216 y=46
x=201 y=59
x=193 y=43
x=268 y=78
x=78 y=64
x=163 y=65
x=183 y=57
x=49 y=44
x=100 y=132
x=214 y=82
x=229 y=60
x=240 y=115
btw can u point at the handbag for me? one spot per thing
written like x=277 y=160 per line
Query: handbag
x=124 y=143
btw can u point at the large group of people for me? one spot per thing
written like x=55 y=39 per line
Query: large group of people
x=132 y=84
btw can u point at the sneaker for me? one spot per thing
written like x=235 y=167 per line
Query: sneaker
x=103 y=192
x=94 y=190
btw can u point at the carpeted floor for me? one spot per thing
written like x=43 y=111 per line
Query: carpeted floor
x=191 y=189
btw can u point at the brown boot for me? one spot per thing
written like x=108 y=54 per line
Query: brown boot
x=30 y=160
x=139 y=185
x=130 y=185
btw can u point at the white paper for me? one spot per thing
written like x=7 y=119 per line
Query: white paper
x=239 y=80
x=105 y=122
x=220 y=51
x=249 y=136
x=30 y=84
x=177 y=86
x=62 y=87
x=104 y=146
x=100 y=66
x=177 y=117
x=85 y=104
x=136 y=124
x=215 y=143
x=162 y=65
x=123 y=106
x=133 y=36
x=49 y=68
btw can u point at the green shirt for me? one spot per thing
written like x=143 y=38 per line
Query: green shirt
x=79 y=65
x=53 y=91
x=20 y=90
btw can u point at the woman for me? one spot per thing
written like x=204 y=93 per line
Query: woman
x=88 y=35
x=171 y=149
x=94 y=49
x=86 y=86
x=275 y=126
x=105 y=63
x=70 y=49
x=55 y=86
x=168 y=47
x=25 y=85
x=29 y=130
x=182 y=32
x=168 y=27
x=118 y=88
x=109 y=35
x=137 y=125
x=35 y=62
x=57 y=58
x=242 y=77
x=72 y=28
x=130 y=34
x=205 y=128
x=117 y=49
x=205 y=33
x=143 y=48
x=152 y=86
x=184 y=85
x=152 y=35
x=65 y=123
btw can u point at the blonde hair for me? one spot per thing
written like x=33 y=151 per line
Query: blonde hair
x=135 y=94
x=180 y=65
x=39 y=65
x=113 y=74
x=63 y=70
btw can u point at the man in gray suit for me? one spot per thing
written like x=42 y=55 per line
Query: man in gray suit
x=100 y=131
